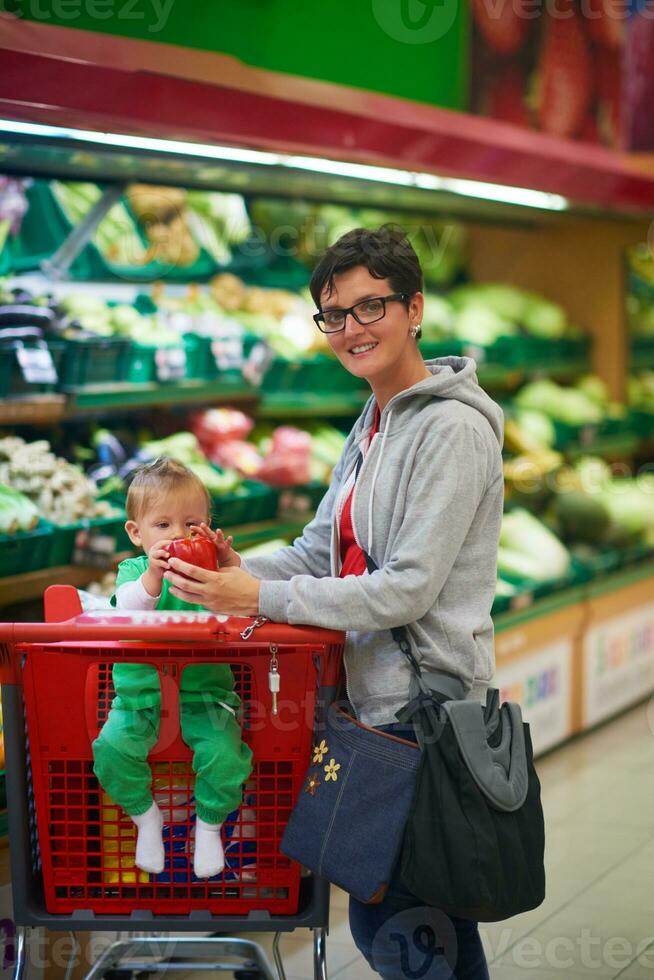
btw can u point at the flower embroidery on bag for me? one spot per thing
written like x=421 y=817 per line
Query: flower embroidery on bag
x=331 y=770
x=312 y=784
x=320 y=751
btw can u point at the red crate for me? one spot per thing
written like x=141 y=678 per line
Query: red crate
x=86 y=843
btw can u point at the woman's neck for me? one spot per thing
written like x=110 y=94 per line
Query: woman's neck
x=385 y=388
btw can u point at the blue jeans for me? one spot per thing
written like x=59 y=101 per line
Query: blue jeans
x=402 y=939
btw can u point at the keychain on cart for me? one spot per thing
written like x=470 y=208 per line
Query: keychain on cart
x=273 y=677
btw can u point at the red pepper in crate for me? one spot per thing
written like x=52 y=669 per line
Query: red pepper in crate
x=196 y=551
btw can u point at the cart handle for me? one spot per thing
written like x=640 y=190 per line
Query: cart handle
x=120 y=626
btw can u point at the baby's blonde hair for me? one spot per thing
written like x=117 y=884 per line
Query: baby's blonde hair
x=162 y=476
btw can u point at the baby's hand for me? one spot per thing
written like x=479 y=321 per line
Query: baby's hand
x=226 y=555
x=158 y=557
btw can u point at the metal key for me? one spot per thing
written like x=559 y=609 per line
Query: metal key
x=273 y=677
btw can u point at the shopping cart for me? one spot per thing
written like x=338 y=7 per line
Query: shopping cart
x=72 y=850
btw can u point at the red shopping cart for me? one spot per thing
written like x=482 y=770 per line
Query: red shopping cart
x=72 y=850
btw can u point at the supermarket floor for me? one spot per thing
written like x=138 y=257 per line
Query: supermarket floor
x=598 y=918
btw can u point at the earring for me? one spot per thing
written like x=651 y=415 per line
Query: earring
x=414 y=331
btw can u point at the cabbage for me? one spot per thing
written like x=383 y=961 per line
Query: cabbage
x=537 y=426
x=478 y=324
x=544 y=319
x=529 y=549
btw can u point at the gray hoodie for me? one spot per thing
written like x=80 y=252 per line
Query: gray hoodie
x=427 y=507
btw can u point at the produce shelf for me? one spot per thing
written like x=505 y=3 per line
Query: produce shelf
x=37 y=410
x=247 y=535
x=564 y=370
x=125 y=396
x=578 y=593
x=23 y=588
x=620 y=445
x=285 y=404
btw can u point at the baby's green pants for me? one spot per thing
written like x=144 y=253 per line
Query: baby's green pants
x=221 y=760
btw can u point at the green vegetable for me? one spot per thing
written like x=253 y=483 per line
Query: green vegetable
x=544 y=319
x=529 y=549
x=563 y=404
x=537 y=426
x=582 y=516
x=478 y=324
x=17 y=512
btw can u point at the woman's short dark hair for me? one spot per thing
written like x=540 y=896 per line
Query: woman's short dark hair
x=386 y=253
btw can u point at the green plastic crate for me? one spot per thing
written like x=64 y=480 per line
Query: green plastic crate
x=226 y=375
x=144 y=364
x=12 y=380
x=26 y=551
x=318 y=374
x=251 y=503
x=586 y=435
x=46 y=226
x=64 y=536
x=643 y=423
x=89 y=362
x=596 y=562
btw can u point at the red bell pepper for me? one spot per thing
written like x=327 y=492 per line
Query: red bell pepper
x=196 y=551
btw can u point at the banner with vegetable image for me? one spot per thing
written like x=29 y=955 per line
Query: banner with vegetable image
x=577 y=69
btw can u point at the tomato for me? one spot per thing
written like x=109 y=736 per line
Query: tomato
x=196 y=551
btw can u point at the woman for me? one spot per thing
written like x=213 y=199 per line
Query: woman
x=427 y=507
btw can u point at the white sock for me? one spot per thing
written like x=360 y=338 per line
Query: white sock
x=208 y=859
x=149 y=842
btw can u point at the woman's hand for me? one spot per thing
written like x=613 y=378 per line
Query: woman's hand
x=227 y=557
x=229 y=591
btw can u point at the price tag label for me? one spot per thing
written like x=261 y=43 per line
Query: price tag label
x=228 y=353
x=94 y=549
x=260 y=359
x=37 y=365
x=588 y=435
x=170 y=363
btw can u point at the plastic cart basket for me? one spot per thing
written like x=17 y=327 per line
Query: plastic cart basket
x=72 y=850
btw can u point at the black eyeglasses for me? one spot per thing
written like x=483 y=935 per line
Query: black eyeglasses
x=367 y=311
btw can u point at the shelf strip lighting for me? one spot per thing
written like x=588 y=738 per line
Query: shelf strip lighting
x=502 y=193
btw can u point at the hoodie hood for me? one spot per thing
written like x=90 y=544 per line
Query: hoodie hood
x=451 y=377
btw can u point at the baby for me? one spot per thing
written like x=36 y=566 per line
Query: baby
x=167 y=501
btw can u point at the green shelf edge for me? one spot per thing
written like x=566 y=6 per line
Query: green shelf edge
x=619 y=445
x=578 y=593
x=124 y=396
x=247 y=535
x=306 y=404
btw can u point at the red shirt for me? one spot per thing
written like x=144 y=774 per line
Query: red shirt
x=353 y=561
